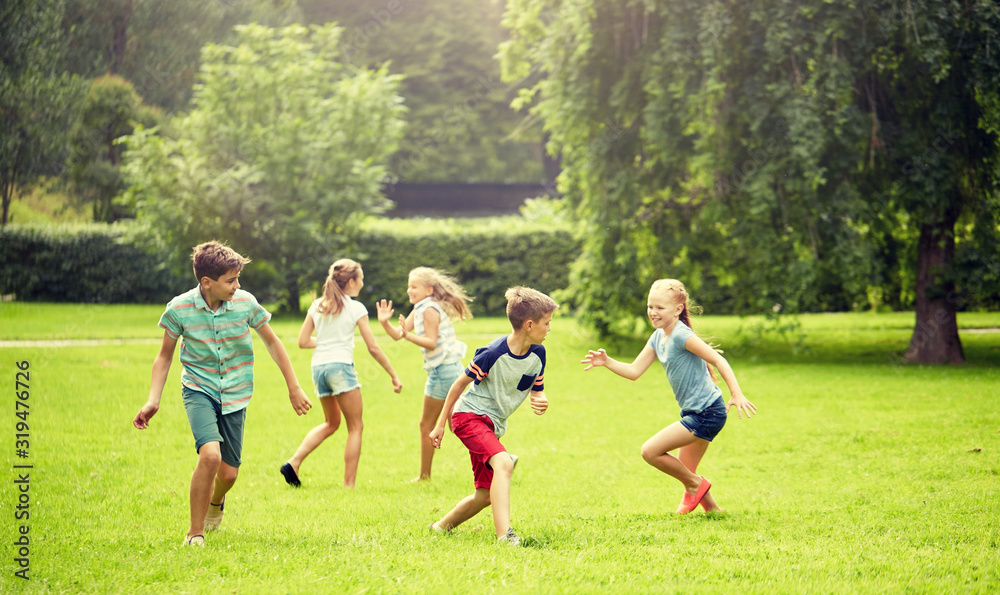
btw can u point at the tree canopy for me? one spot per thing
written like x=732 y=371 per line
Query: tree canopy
x=36 y=96
x=108 y=112
x=774 y=155
x=284 y=148
x=460 y=127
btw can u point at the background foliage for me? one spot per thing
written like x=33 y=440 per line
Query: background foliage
x=460 y=127
x=282 y=154
x=86 y=263
x=37 y=96
x=486 y=257
x=126 y=263
x=110 y=110
x=795 y=156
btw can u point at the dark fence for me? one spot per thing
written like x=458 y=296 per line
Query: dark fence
x=459 y=200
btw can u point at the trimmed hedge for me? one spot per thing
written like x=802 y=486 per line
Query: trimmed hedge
x=485 y=255
x=88 y=263
x=120 y=263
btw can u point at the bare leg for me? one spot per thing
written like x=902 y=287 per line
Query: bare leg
x=316 y=436
x=467 y=508
x=350 y=405
x=691 y=456
x=224 y=480
x=503 y=469
x=209 y=460
x=428 y=419
x=656 y=452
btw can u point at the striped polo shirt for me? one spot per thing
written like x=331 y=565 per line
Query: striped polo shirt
x=448 y=349
x=217 y=349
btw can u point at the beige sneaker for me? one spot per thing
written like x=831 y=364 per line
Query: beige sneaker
x=195 y=540
x=213 y=518
x=510 y=538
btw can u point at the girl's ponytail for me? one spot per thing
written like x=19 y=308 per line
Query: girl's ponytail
x=340 y=274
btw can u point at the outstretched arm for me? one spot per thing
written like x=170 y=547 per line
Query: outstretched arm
x=632 y=371
x=456 y=390
x=300 y=402
x=703 y=350
x=161 y=367
x=377 y=353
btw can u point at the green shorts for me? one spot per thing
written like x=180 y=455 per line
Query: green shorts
x=208 y=424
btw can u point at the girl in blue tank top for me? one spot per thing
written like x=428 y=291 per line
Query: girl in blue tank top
x=686 y=359
x=437 y=300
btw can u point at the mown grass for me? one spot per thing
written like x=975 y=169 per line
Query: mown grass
x=860 y=474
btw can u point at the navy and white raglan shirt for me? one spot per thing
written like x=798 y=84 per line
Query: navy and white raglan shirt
x=501 y=381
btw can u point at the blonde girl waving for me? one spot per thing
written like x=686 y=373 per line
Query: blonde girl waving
x=437 y=300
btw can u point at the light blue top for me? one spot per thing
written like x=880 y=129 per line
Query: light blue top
x=448 y=349
x=687 y=373
x=502 y=381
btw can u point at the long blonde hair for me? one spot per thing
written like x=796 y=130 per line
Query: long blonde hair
x=446 y=291
x=677 y=292
x=341 y=273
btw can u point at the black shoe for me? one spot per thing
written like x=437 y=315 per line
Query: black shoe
x=290 y=476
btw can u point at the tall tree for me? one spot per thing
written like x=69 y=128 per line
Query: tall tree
x=460 y=126
x=284 y=148
x=774 y=154
x=155 y=45
x=36 y=97
x=109 y=111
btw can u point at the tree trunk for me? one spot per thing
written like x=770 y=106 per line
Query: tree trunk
x=7 y=191
x=552 y=166
x=119 y=38
x=935 y=336
x=292 y=284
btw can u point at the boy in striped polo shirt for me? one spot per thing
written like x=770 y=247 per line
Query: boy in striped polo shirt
x=215 y=319
x=505 y=372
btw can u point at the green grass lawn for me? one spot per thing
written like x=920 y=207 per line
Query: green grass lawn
x=860 y=474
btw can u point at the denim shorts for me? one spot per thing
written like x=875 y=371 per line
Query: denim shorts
x=208 y=424
x=708 y=423
x=440 y=379
x=334 y=379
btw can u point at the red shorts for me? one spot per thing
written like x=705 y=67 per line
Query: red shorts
x=476 y=433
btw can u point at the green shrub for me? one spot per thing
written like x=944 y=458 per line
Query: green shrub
x=121 y=263
x=486 y=256
x=86 y=263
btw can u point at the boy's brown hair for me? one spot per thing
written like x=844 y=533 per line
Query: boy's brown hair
x=213 y=259
x=525 y=303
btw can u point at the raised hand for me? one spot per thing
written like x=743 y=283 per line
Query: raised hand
x=384 y=309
